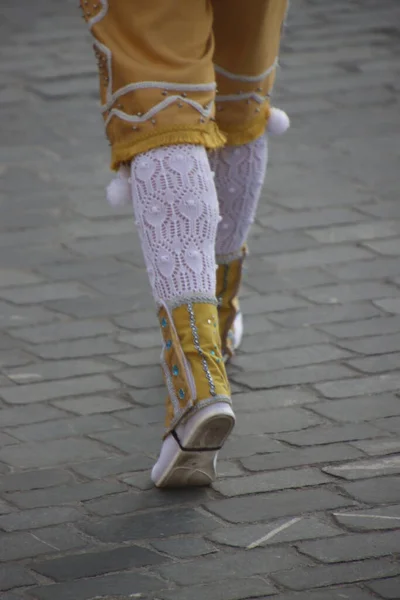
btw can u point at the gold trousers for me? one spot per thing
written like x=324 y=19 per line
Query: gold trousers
x=184 y=71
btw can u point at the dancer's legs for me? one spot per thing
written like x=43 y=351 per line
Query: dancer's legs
x=158 y=101
x=245 y=75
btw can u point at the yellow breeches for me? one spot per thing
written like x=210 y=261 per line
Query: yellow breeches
x=162 y=61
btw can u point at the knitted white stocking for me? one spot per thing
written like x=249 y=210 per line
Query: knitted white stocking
x=176 y=211
x=239 y=176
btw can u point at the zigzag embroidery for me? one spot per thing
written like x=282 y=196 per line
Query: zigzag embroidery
x=164 y=85
x=205 y=112
x=100 y=15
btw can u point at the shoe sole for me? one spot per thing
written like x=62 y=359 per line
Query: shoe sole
x=194 y=468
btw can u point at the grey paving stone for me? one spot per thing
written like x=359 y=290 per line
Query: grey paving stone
x=373 y=345
x=386 y=588
x=13 y=576
x=149 y=397
x=264 y=507
x=40 y=392
x=143 y=416
x=18 y=316
x=34 y=480
x=307 y=219
x=350 y=233
x=241 y=564
x=143 y=358
x=6 y=439
x=5 y=509
x=151 y=525
x=390 y=305
x=64 y=494
x=298 y=375
x=96 y=346
x=336 y=593
x=291 y=280
x=351 y=292
x=54 y=332
x=330 y=434
x=366 y=269
x=39 y=517
x=270 y=482
x=51 y=453
x=134 y=439
x=366 y=469
x=149 y=338
x=276 y=420
x=33 y=294
x=34 y=413
x=62 y=538
x=383 y=210
x=63 y=89
x=388 y=490
x=330 y=453
x=92 y=564
x=280 y=242
x=19 y=545
x=113 y=465
x=16 y=277
x=184 y=547
x=389 y=424
x=53 y=370
x=244 y=535
x=377 y=384
x=316 y=258
x=134 y=501
x=260 y=342
x=291 y=357
x=109 y=585
x=14 y=358
x=65 y=428
x=390 y=247
x=84 y=308
x=140 y=319
x=376 y=364
x=370 y=519
x=239 y=447
x=90 y=405
x=379 y=446
x=141 y=377
x=352 y=547
x=365 y=408
x=322 y=576
x=326 y=314
x=254 y=305
x=109 y=246
x=278 y=398
x=232 y=589
x=83 y=270
x=138 y=480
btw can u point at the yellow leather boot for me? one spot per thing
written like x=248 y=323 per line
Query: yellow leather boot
x=229 y=278
x=199 y=414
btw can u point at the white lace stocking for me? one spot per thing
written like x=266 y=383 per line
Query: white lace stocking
x=239 y=176
x=176 y=211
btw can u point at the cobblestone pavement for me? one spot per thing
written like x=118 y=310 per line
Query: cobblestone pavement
x=308 y=502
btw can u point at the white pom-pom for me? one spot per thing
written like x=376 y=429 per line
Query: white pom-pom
x=278 y=122
x=119 y=190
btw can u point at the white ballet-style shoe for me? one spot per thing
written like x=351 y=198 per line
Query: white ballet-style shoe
x=188 y=455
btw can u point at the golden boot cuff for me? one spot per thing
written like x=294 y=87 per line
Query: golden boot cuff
x=229 y=278
x=192 y=362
